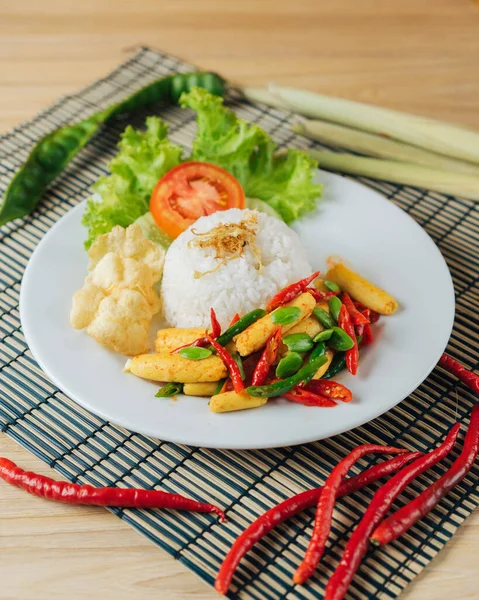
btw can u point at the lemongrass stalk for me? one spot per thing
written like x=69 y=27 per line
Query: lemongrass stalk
x=444 y=138
x=380 y=147
x=446 y=182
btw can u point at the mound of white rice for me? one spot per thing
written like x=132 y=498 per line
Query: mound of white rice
x=237 y=286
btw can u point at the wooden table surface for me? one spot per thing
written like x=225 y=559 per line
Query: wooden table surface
x=415 y=55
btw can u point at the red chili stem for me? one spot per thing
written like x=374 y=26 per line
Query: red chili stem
x=378 y=507
x=352 y=356
x=404 y=518
x=291 y=291
x=307 y=398
x=73 y=493
x=453 y=366
x=230 y=363
x=357 y=317
x=292 y=506
x=267 y=358
x=215 y=324
x=324 y=511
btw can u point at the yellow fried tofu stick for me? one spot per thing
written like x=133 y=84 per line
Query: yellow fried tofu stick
x=173 y=367
x=172 y=338
x=231 y=401
x=200 y=389
x=362 y=290
x=322 y=370
x=256 y=335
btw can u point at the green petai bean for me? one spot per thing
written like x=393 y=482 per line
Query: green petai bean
x=51 y=155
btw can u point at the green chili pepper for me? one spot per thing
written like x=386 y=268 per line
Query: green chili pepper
x=240 y=326
x=285 y=316
x=318 y=350
x=50 y=156
x=169 y=389
x=323 y=336
x=332 y=285
x=298 y=342
x=289 y=365
x=239 y=362
x=195 y=353
x=334 y=307
x=340 y=340
x=285 y=385
x=337 y=364
x=324 y=317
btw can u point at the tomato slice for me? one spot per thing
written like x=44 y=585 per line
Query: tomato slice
x=190 y=191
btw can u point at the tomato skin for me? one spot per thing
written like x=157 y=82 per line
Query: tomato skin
x=190 y=191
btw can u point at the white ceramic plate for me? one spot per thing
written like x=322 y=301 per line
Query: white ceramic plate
x=380 y=241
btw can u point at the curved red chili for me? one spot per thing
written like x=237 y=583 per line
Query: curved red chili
x=352 y=356
x=455 y=367
x=215 y=324
x=308 y=398
x=267 y=358
x=329 y=389
x=324 y=511
x=73 y=493
x=234 y=320
x=404 y=518
x=290 y=292
x=358 y=542
x=230 y=363
x=292 y=506
x=320 y=296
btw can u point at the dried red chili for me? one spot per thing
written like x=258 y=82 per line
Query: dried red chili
x=324 y=511
x=267 y=358
x=352 y=356
x=230 y=363
x=404 y=518
x=291 y=291
x=73 y=493
x=378 y=507
x=320 y=296
x=215 y=324
x=357 y=317
x=455 y=367
x=292 y=506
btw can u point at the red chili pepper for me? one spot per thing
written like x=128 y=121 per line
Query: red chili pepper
x=307 y=398
x=367 y=335
x=200 y=342
x=215 y=325
x=324 y=511
x=72 y=493
x=267 y=358
x=321 y=296
x=329 y=389
x=290 y=292
x=403 y=519
x=352 y=356
x=230 y=363
x=234 y=320
x=373 y=315
x=358 y=318
x=454 y=367
x=377 y=508
x=292 y=506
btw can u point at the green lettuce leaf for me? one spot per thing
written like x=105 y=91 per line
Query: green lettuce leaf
x=284 y=180
x=124 y=195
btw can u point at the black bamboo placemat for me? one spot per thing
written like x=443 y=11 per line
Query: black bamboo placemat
x=87 y=449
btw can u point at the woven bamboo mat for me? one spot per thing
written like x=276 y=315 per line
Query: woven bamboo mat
x=86 y=449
